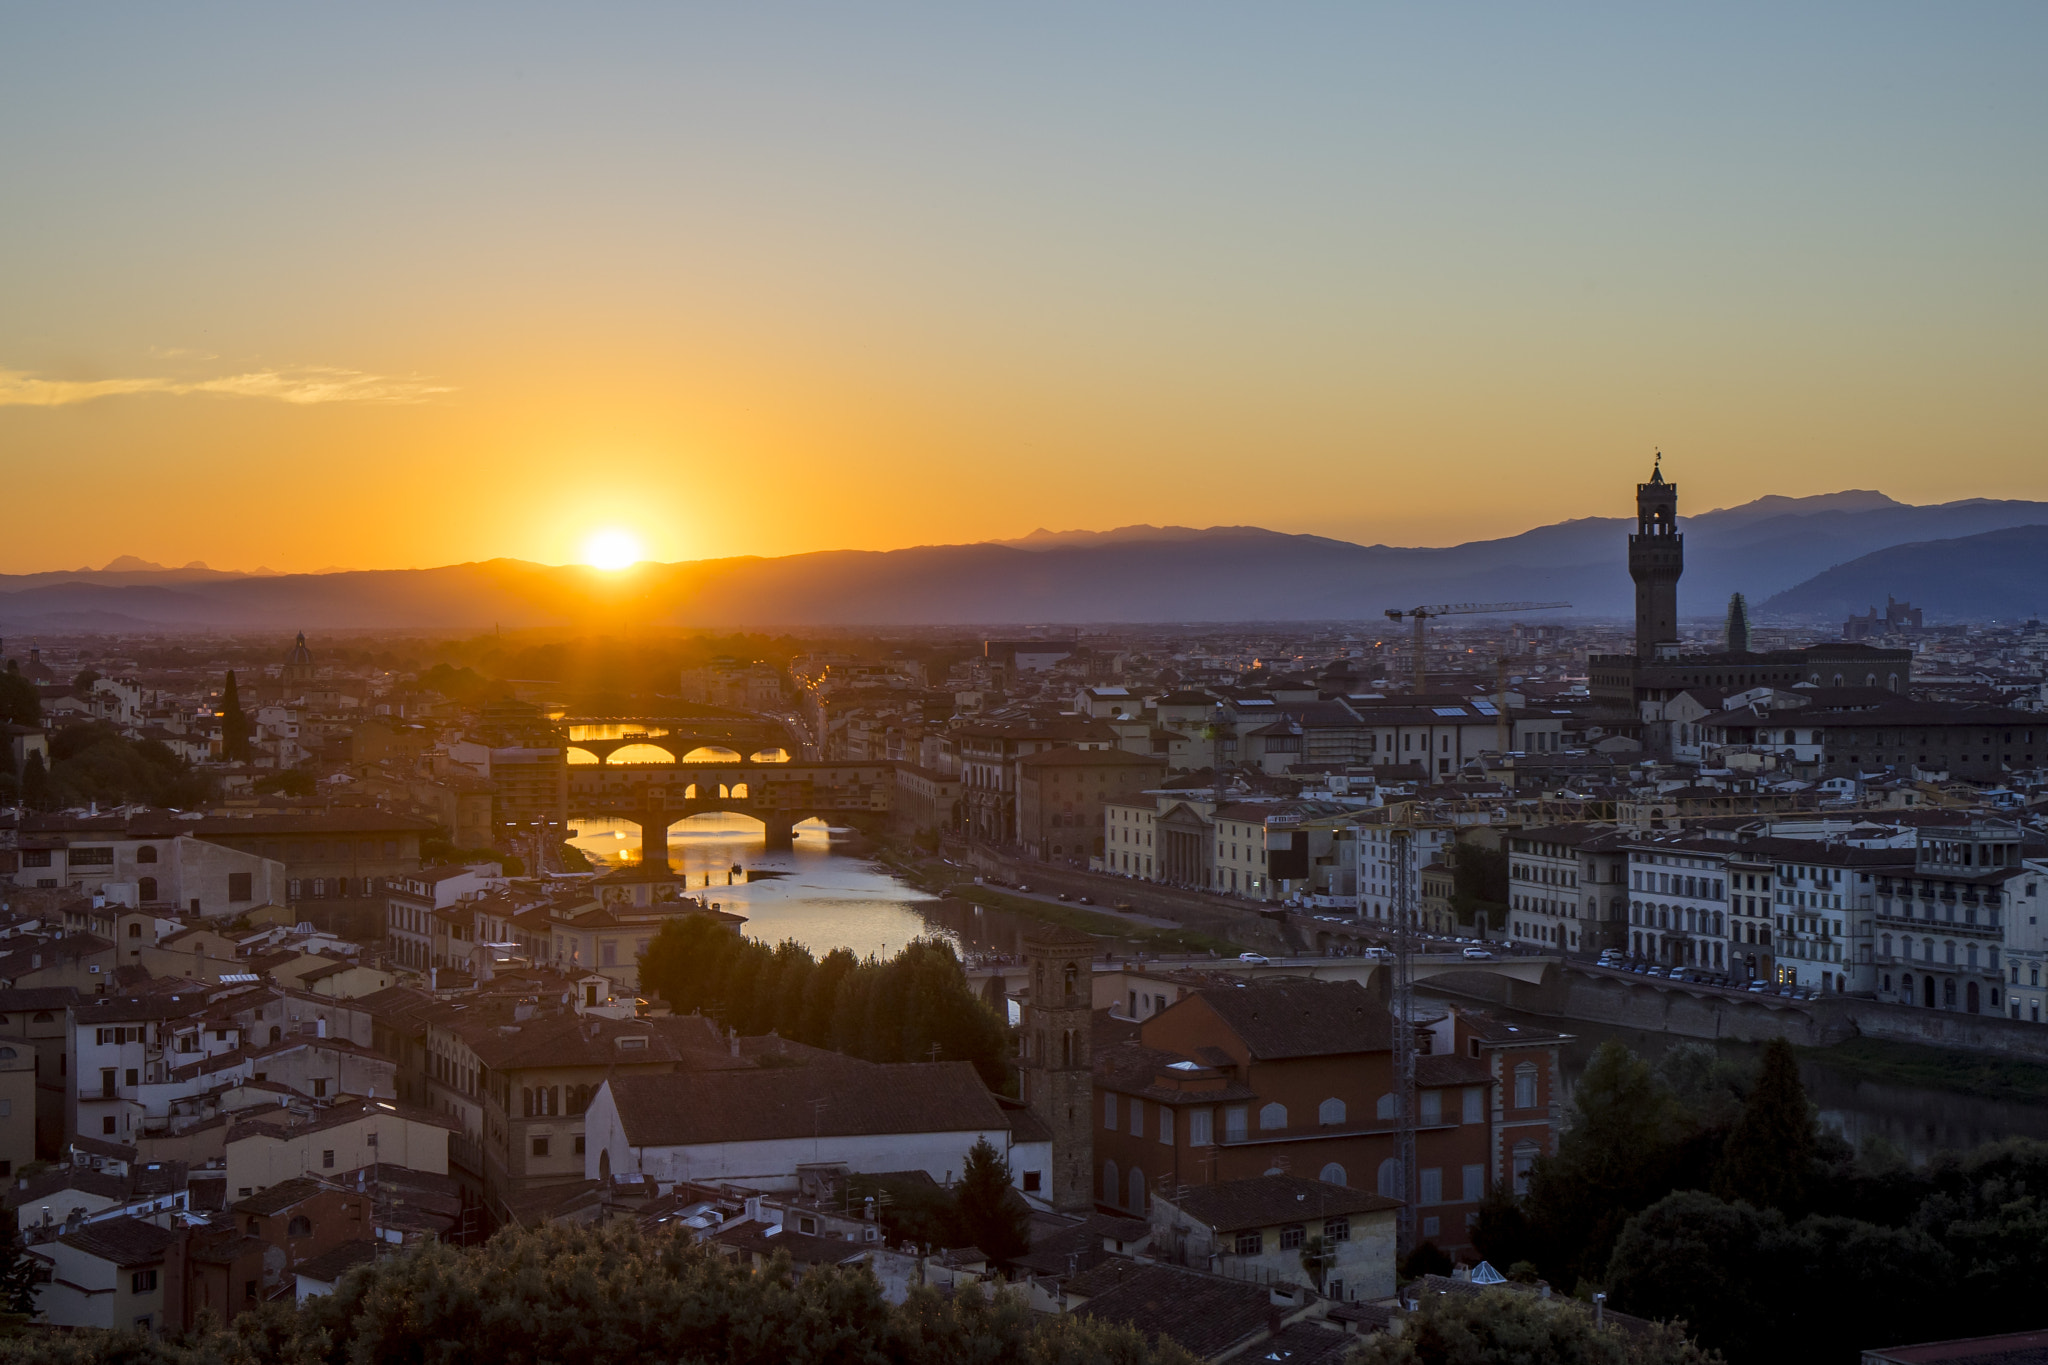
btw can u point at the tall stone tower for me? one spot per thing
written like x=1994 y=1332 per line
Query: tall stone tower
x=1057 y=1064
x=1656 y=557
x=1738 y=625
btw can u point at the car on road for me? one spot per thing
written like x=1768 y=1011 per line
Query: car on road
x=1084 y=900
x=1382 y=954
x=1477 y=952
x=1065 y=897
x=1121 y=905
x=1254 y=959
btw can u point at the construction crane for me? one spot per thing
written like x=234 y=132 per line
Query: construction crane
x=1419 y=615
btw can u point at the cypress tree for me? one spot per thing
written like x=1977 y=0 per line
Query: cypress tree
x=1738 y=625
x=234 y=725
x=986 y=1212
x=1768 y=1159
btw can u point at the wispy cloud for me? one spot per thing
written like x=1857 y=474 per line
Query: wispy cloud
x=304 y=384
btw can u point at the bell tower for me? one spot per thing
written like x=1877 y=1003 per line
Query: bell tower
x=1056 y=1062
x=1656 y=557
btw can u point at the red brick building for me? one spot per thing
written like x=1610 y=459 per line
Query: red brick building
x=1296 y=1077
x=251 y=1254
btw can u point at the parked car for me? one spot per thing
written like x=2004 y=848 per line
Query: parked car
x=1084 y=900
x=1254 y=959
x=1065 y=897
x=1477 y=952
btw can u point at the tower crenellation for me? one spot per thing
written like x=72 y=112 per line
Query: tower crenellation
x=1656 y=558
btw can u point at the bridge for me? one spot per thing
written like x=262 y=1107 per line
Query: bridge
x=997 y=979
x=760 y=739
x=778 y=794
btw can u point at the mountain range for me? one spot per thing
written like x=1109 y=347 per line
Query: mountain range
x=1816 y=558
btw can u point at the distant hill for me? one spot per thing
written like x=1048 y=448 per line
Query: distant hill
x=1999 y=574
x=1136 y=574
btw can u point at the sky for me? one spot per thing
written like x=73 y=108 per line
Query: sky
x=391 y=285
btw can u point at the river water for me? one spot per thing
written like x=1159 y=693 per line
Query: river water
x=829 y=896
x=832 y=896
x=1919 y=1120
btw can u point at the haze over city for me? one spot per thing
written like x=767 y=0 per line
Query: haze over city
x=760 y=282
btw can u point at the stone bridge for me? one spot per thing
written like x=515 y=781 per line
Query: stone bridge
x=1368 y=972
x=755 y=740
x=779 y=795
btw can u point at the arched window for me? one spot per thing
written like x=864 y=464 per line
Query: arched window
x=1138 y=1192
x=1887 y=945
x=1273 y=1116
x=146 y=854
x=1330 y=1112
x=146 y=891
x=1070 y=975
x=1332 y=1174
x=1110 y=1192
x=1386 y=1108
x=300 y=1226
x=1390 y=1178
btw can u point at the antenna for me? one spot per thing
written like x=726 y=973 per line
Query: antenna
x=1401 y=840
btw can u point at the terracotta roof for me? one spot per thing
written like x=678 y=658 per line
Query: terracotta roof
x=1278 y=1019
x=744 y=1106
x=1207 y=1314
x=1264 y=1201
x=124 y=1241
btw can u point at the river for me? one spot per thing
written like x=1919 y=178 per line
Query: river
x=1919 y=1120
x=832 y=896
x=828 y=896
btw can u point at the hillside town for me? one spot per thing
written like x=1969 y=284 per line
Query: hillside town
x=338 y=984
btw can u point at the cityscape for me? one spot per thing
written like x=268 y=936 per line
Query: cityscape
x=649 y=772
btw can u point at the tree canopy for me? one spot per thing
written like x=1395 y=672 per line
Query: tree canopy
x=608 y=1296
x=1506 y=1325
x=894 y=1011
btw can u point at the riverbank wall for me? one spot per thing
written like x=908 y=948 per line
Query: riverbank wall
x=1192 y=910
x=1569 y=993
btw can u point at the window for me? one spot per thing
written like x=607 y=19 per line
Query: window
x=1330 y=1112
x=1390 y=1181
x=1387 y=1108
x=1432 y=1107
x=1525 y=1086
x=1432 y=1185
x=1137 y=1118
x=580 y=1148
x=1475 y=1184
x=1475 y=1104
x=145 y=889
x=142 y=1282
x=1249 y=1243
x=1272 y=1116
x=1109 y=1111
x=1291 y=1237
x=300 y=1226
x=1201 y=1127
x=1031 y=1182
x=540 y=1146
x=1336 y=1229
x=1165 y=1124
x=107 y=1125
x=319 y=1088
x=241 y=887
x=1234 y=1123
x=327 y=1160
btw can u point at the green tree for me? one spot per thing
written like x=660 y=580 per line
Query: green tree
x=1615 y=1157
x=20 y=703
x=1508 y=1325
x=988 y=1213
x=1427 y=1259
x=1769 y=1156
x=1694 y=1258
x=612 y=1295
x=82 y=685
x=35 y=783
x=234 y=723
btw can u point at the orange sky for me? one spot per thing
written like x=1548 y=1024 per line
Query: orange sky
x=384 y=290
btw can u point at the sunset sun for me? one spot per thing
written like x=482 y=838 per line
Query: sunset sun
x=612 y=549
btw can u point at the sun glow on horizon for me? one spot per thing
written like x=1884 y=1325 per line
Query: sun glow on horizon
x=612 y=548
